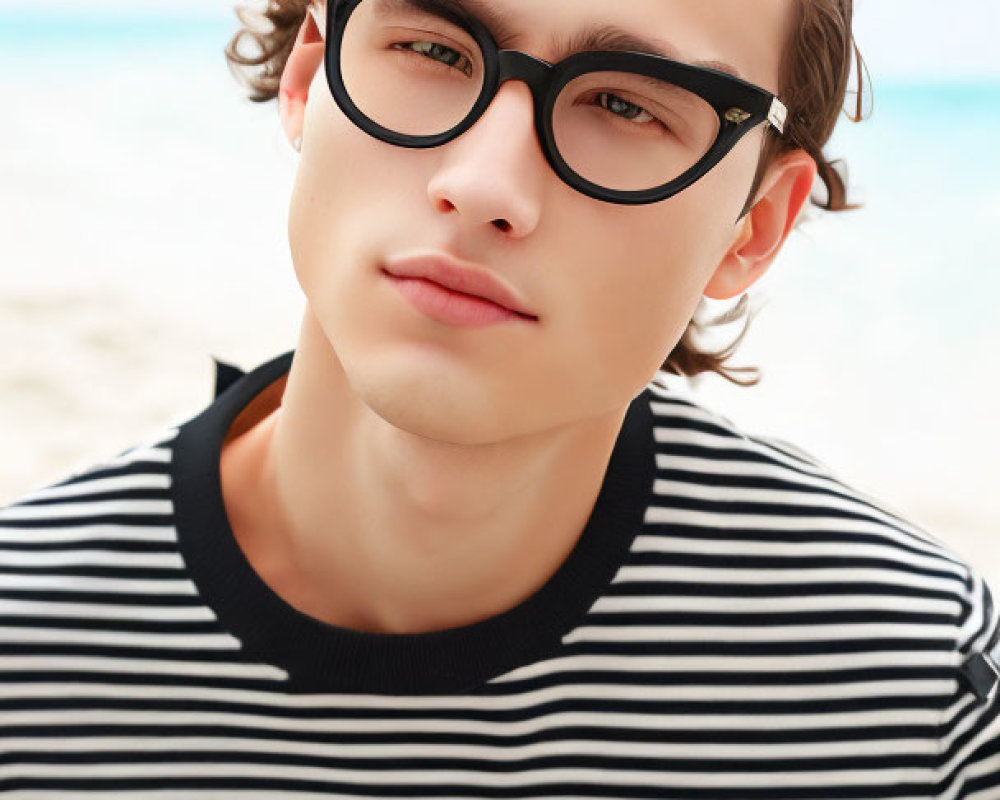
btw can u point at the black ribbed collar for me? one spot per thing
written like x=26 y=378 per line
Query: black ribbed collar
x=321 y=657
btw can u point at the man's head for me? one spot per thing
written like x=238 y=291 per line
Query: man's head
x=614 y=287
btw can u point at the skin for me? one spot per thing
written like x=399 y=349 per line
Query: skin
x=410 y=476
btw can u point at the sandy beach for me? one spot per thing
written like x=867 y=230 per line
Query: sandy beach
x=144 y=230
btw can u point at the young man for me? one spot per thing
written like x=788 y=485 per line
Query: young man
x=462 y=547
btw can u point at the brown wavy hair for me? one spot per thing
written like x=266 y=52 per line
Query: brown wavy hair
x=814 y=75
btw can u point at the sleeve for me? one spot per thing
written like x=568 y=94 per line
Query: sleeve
x=969 y=729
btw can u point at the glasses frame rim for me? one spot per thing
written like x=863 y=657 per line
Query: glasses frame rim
x=740 y=105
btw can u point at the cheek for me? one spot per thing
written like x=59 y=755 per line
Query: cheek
x=725 y=189
x=643 y=268
x=637 y=275
x=342 y=175
x=338 y=160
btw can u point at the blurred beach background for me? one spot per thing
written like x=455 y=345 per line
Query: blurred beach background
x=143 y=230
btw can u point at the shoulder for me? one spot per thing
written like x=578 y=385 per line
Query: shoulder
x=97 y=489
x=776 y=475
x=766 y=506
x=676 y=405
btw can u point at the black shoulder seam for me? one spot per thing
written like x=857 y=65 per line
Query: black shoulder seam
x=226 y=375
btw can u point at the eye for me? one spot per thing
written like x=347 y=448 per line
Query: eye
x=432 y=51
x=615 y=104
x=622 y=109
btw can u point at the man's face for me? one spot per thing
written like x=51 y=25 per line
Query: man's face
x=613 y=286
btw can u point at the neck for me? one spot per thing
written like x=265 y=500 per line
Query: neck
x=355 y=519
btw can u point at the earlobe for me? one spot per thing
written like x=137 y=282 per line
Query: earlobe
x=304 y=59
x=766 y=226
x=732 y=275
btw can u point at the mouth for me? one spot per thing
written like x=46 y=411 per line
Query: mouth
x=451 y=306
x=474 y=297
x=461 y=278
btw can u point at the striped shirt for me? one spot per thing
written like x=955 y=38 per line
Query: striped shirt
x=734 y=622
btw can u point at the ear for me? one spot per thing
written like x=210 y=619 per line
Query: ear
x=762 y=232
x=303 y=61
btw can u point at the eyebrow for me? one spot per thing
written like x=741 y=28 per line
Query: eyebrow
x=503 y=27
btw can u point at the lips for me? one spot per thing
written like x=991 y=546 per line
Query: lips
x=459 y=276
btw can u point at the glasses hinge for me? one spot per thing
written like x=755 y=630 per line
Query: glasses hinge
x=777 y=115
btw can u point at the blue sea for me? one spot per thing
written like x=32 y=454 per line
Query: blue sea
x=131 y=163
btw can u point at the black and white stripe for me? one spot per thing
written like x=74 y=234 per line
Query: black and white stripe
x=772 y=633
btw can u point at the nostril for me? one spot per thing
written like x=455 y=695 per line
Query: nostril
x=502 y=224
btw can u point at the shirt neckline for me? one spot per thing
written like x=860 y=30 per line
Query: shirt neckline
x=321 y=657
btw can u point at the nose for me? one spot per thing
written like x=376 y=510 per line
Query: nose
x=495 y=171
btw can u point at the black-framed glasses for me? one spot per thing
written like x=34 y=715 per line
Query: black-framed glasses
x=622 y=127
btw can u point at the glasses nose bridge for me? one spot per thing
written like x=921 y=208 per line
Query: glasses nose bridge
x=519 y=66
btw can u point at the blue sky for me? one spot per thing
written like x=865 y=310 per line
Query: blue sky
x=924 y=38
x=898 y=38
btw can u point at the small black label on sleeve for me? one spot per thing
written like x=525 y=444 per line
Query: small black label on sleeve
x=982 y=673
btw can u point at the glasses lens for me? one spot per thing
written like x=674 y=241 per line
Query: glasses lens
x=407 y=70
x=631 y=132
x=418 y=74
